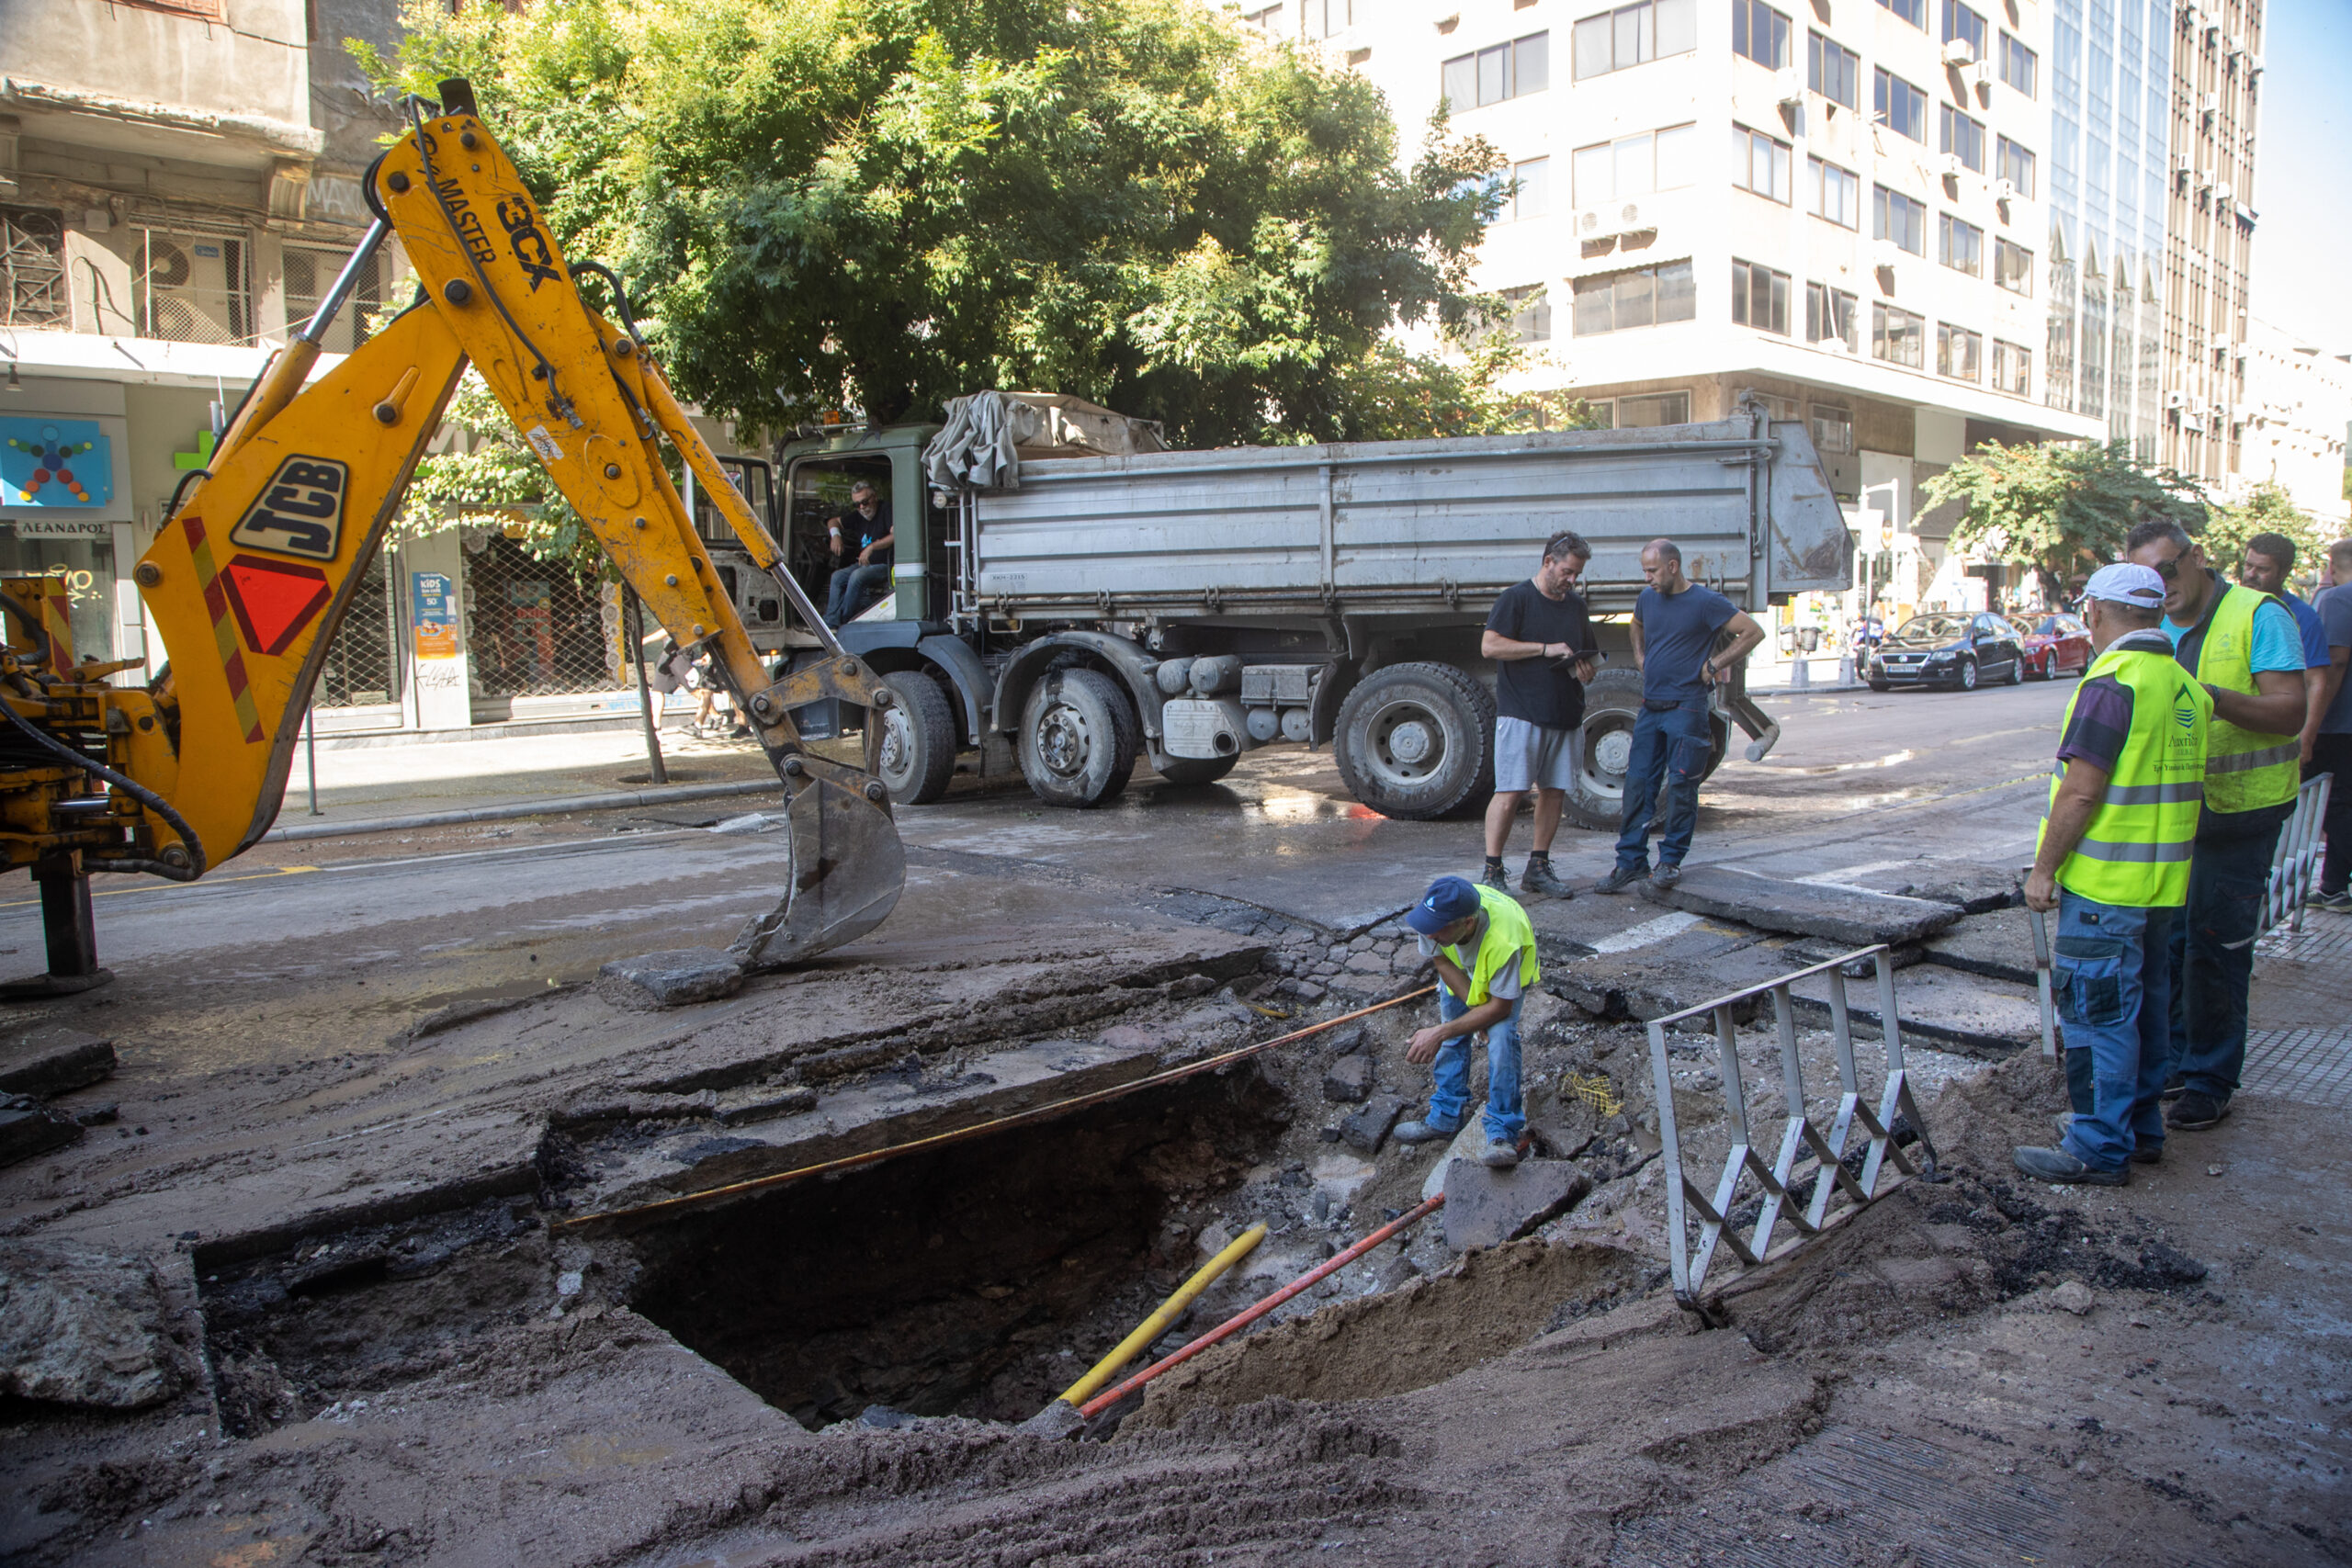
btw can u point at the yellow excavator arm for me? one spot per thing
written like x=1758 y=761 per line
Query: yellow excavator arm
x=252 y=568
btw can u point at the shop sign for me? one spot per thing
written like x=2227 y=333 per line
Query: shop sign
x=61 y=528
x=432 y=615
x=55 y=462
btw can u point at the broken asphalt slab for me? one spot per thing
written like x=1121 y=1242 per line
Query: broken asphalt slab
x=1850 y=915
x=671 y=978
x=82 y=1328
x=1998 y=945
x=1487 y=1208
x=52 y=1062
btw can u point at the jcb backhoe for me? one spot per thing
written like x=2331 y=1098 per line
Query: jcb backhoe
x=254 y=563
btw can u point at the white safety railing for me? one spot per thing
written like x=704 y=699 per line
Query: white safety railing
x=1745 y=1172
x=2295 y=864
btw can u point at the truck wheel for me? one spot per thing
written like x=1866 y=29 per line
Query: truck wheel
x=1417 y=741
x=1612 y=701
x=1079 y=738
x=917 y=740
x=1197 y=770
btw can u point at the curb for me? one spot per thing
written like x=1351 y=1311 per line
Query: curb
x=616 y=801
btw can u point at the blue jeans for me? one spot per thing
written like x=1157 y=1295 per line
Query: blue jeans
x=852 y=591
x=1449 y=1094
x=2212 y=959
x=1670 y=748
x=2113 y=984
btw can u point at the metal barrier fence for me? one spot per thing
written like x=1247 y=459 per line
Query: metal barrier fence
x=2295 y=864
x=1745 y=1172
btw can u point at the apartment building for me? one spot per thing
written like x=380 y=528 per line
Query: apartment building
x=1839 y=204
x=2293 y=418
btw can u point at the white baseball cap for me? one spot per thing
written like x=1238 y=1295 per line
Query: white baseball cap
x=2124 y=583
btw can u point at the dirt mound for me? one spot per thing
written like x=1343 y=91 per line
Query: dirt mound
x=1491 y=1302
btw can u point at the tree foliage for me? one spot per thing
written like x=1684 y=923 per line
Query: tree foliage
x=2064 y=509
x=495 y=481
x=2267 y=509
x=881 y=204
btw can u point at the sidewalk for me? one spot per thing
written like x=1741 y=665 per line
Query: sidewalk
x=359 y=784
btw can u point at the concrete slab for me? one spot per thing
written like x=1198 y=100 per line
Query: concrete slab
x=1369 y=1128
x=1348 y=1079
x=1687 y=964
x=1842 y=914
x=82 y=1329
x=1944 y=1007
x=51 y=1062
x=28 y=1128
x=1487 y=1208
x=669 y=978
x=1998 y=945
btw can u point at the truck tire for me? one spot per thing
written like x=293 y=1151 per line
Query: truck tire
x=917 y=740
x=1417 y=741
x=1613 y=700
x=1197 y=770
x=1079 y=738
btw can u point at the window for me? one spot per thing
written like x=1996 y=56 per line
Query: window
x=1896 y=337
x=1959 y=246
x=1266 y=19
x=1759 y=164
x=1912 y=11
x=2017 y=66
x=1963 y=135
x=1530 y=318
x=1619 y=39
x=1658 y=408
x=1894 y=215
x=1828 y=314
x=1759 y=298
x=2012 y=368
x=1510 y=70
x=1833 y=193
x=2013 y=268
x=1636 y=166
x=1833 y=430
x=1327 y=18
x=1760 y=32
x=1965 y=25
x=1834 y=71
x=1649 y=296
x=1534 y=196
x=1958 y=351
x=2013 y=164
x=309 y=274
x=1899 y=105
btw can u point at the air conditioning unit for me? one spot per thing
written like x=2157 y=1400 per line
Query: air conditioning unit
x=1949 y=166
x=1982 y=74
x=1959 y=51
x=2204 y=179
x=1789 y=83
x=2224 y=192
x=1632 y=219
x=2181 y=163
x=1593 y=223
x=2004 y=190
x=2211 y=103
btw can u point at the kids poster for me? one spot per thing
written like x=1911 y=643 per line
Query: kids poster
x=55 y=462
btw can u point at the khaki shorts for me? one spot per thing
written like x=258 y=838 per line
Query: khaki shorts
x=1529 y=756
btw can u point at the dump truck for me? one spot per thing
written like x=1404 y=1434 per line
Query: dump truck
x=1070 y=617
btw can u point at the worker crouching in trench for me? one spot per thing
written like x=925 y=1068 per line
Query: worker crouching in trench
x=1479 y=997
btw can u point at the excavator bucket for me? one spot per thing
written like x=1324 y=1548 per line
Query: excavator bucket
x=848 y=869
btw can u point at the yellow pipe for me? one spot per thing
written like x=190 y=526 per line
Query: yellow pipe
x=1169 y=1310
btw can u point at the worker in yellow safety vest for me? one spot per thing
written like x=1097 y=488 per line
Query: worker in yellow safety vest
x=2113 y=859
x=2245 y=648
x=1484 y=951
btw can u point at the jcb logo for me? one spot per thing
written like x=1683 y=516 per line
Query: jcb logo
x=532 y=251
x=299 y=511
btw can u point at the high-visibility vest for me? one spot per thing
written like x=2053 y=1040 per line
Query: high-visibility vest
x=2244 y=769
x=2135 y=851
x=1508 y=934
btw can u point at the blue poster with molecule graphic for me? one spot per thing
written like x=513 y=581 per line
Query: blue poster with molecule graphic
x=55 y=462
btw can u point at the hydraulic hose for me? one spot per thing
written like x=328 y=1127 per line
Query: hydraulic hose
x=138 y=792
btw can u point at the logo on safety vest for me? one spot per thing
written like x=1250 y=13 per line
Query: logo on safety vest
x=299 y=511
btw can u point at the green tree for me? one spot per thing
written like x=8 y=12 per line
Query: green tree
x=881 y=204
x=2064 y=509
x=2267 y=509
x=496 y=481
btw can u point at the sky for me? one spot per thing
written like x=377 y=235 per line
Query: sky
x=2302 y=174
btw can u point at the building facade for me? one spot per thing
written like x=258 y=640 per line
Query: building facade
x=2294 y=418
x=1841 y=206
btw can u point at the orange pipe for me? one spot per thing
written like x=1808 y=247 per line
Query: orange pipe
x=1233 y=1325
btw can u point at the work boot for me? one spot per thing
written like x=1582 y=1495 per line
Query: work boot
x=1499 y=1156
x=1540 y=878
x=2175 y=1087
x=1667 y=874
x=1621 y=878
x=2149 y=1154
x=1494 y=876
x=2338 y=902
x=1425 y=1131
x=2194 y=1112
x=2058 y=1166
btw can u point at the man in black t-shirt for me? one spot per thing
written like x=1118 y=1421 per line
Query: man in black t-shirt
x=1540 y=636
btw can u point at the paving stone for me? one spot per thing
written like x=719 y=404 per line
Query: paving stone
x=1348 y=1079
x=82 y=1328
x=669 y=978
x=1804 y=908
x=1487 y=1208
x=54 y=1061
x=28 y=1128
x=1369 y=1128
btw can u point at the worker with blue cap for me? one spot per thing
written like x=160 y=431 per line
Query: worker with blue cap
x=1478 y=998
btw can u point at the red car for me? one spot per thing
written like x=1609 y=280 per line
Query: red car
x=2054 y=644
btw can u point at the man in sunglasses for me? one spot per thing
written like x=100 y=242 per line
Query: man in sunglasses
x=2245 y=649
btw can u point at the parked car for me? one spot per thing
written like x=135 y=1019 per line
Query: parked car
x=1949 y=647
x=2054 y=644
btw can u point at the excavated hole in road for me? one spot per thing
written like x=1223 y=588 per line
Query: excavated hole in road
x=953 y=1282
